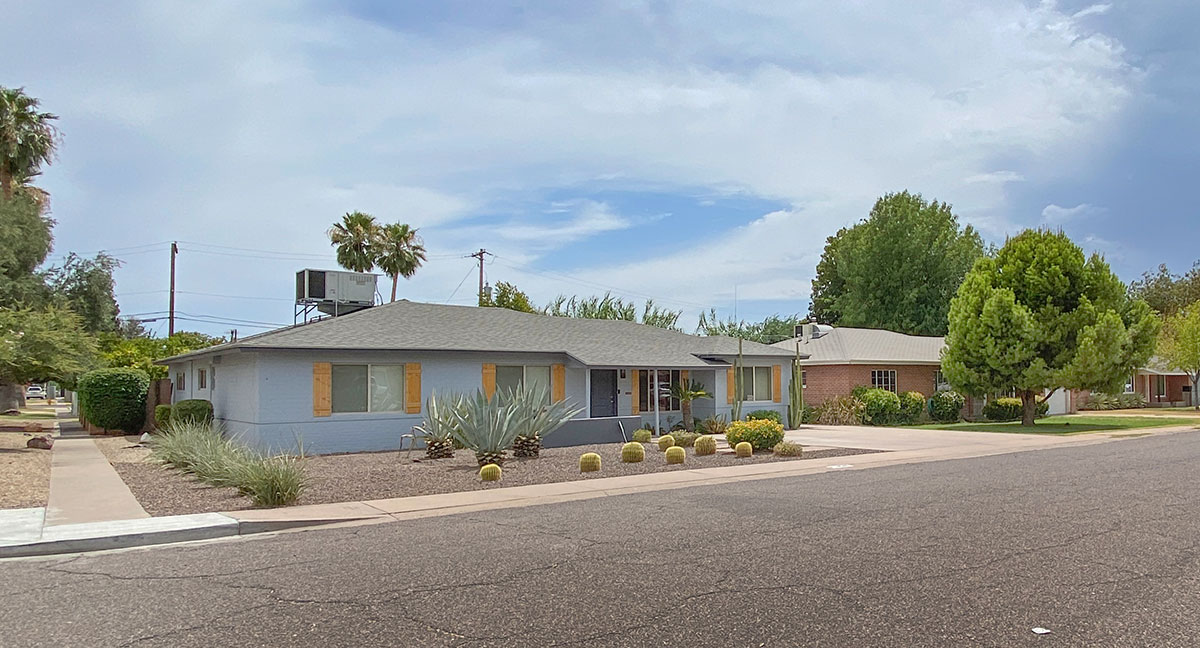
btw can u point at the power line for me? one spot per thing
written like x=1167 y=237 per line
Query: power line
x=464 y=280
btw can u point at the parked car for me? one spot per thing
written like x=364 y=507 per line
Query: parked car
x=35 y=391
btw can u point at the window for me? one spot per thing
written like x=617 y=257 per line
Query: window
x=180 y=385
x=1160 y=386
x=884 y=379
x=666 y=378
x=803 y=379
x=756 y=383
x=512 y=377
x=939 y=381
x=367 y=388
x=201 y=379
x=1129 y=385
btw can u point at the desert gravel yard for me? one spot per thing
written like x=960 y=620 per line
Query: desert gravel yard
x=24 y=473
x=379 y=475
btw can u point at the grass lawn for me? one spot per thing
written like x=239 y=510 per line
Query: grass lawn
x=1068 y=424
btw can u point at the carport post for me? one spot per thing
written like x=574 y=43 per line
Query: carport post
x=654 y=390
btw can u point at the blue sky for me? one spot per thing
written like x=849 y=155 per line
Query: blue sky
x=680 y=151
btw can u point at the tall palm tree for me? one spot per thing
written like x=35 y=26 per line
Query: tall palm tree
x=355 y=239
x=399 y=252
x=28 y=139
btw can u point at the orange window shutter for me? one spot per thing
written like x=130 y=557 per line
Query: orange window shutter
x=489 y=379
x=558 y=382
x=683 y=376
x=322 y=389
x=637 y=391
x=777 y=382
x=412 y=388
x=729 y=385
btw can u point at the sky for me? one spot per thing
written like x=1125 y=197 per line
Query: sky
x=695 y=153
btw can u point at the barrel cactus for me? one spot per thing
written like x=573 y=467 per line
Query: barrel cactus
x=490 y=472
x=632 y=452
x=743 y=449
x=676 y=455
x=706 y=445
x=589 y=462
x=665 y=441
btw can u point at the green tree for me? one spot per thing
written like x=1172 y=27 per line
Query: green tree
x=398 y=252
x=1168 y=293
x=686 y=391
x=86 y=286
x=613 y=308
x=143 y=352
x=39 y=345
x=28 y=138
x=25 y=240
x=355 y=238
x=1179 y=345
x=896 y=270
x=1040 y=315
x=507 y=295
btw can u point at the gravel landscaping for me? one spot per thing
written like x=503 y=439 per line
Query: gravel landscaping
x=24 y=473
x=379 y=475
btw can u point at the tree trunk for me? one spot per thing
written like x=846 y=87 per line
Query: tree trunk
x=6 y=184
x=11 y=396
x=394 y=277
x=685 y=409
x=1196 y=390
x=1028 y=407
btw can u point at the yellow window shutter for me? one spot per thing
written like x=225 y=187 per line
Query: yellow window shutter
x=777 y=382
x=558 y=382
x=489 y=379
x=412 y=387
x=322 y=389
x=729 y=385
x=637 y=391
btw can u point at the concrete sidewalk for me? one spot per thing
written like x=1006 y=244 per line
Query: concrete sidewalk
x=84 y=487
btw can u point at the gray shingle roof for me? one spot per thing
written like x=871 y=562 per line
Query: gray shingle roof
x=845 y=345
x=416 y=326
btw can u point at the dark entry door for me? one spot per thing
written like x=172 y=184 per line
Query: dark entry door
x=604 y=392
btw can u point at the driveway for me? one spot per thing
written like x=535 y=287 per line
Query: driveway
x=900 y=439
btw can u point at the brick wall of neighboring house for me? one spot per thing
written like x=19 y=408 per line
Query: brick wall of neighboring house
x=827 y=381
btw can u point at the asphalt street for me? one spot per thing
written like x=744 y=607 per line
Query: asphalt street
x=1095 y=543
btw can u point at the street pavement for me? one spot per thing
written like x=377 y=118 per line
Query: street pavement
x=1096 y=543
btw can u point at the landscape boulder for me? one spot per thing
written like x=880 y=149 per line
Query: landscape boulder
x=41 y=442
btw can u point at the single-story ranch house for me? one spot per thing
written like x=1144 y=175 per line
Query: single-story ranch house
x=357 y=382
x=1162 y=387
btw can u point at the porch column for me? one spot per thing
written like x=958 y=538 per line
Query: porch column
x=654 y=392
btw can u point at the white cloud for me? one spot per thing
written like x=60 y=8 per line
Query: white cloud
x=1055 y=215
x=586 y=217
x=1092 y=10
x=997 y=177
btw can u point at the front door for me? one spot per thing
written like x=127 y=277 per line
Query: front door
x=604 y=392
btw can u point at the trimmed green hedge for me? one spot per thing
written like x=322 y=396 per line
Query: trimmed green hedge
x=1010 y=409
x=162 y=416
x=115 y=398
x=195 y=410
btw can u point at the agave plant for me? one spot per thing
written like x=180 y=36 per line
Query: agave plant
x=485 y=425
x=441 y=419
x=536 y=419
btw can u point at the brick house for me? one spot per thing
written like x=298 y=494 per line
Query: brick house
x=1162 y=386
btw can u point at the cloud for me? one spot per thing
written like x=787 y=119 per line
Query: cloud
x=1054 y=214
x=587 y=218
x=1092 y=10
x=998 y=177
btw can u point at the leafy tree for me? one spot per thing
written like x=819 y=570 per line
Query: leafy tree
x=896 y=270
x=1168 y=293
x=86 y=285
x=28 y=138
x=142 y=352
x=25 y=241
x=1179 y=345
x=39 y=345
x=508 y=296
x=1040 y=315
x=398 y=251
x=355 y=238
x=613 y=308
x=772 y=329
x=686 y=391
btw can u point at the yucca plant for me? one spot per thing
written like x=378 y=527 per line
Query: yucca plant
x=537 y=417
x=441 y=419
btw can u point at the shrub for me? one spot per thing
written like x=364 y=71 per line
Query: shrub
x=195 y=410
x=490 y=472
x=686 y=439
x=858 y=390
x=162 y=416
x=633 y=452
x=759 y=433
x=114 y=399
x=743 y=449
x=676 y=455
x=765 y=415
x=706 y=445
x=589 y=462
x=642 y=436
x=808 y=414
x=840 y=410
x=665 y=441
x=712 y=425
x=944 y=406
x=911 y=405
x=880 y=407
x=1002 y=409
x=787 y=449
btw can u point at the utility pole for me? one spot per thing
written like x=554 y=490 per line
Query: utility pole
x=171 y=322
x=479 y=255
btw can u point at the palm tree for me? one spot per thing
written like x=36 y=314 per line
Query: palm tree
x=27 y=138
x=399 y=252
x=686 y=391
x=355 y=238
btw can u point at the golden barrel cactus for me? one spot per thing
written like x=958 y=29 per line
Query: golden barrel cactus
x=676 y=455
x=589 y=462
x=743 y=449
x=632 y=452
x=665 y=441
x=706 y=445
x=490 y=472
